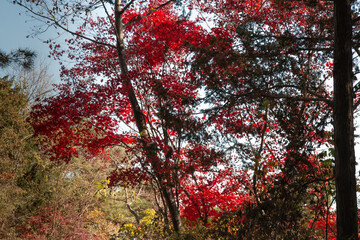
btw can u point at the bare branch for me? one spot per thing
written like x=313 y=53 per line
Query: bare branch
x=126 y=7
x=56 y=23
x=300 y=98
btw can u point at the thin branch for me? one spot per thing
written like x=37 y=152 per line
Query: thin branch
x=195 y=203
x=64 y=28
x=324 y=49
x=300 y=98
x=108 y=15
x=138 y=17
x=111 y=136
x=126 y=7
x=356 y=105
x=133 y=212
x=355 y=20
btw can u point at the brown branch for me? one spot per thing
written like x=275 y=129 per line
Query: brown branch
x=195 y=203
x=355 y=20
x=126 y=7
x=356 y=105
x=300 y=98
x=53 y=20
x=133 y=212
x=138 y=17
x=316 y=49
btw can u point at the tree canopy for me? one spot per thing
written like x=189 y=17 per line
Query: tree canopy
x=223 y=112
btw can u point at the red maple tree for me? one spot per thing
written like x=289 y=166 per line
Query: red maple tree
x=167 y=88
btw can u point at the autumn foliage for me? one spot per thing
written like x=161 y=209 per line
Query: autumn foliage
x=237 y=112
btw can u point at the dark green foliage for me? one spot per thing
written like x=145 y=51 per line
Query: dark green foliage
x=21 y=57
x=16 y=150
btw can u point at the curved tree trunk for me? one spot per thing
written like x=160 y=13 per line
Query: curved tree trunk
x=165 y=189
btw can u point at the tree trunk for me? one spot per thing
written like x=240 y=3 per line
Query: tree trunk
x=346 y=203
x=141 y=123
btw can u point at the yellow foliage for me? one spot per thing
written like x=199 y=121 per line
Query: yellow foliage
x=149 y=216
x=128 y=226
x=100 y=225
